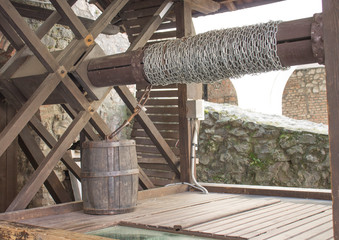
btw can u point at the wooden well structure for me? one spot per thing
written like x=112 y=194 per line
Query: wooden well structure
x=34 y=76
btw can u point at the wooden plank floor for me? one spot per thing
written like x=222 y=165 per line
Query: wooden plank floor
x=223 y=216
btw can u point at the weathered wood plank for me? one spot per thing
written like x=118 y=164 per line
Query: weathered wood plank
x=10 y=34
x=8 y=162
x=27 y=111
x=184 y=29
x=160 y=174
x=204 y=6
x=30 y=38
x=145 y=182
x=243 y=218
x=162 y=111
x=39 y=212
x=87 y=129
x=72 y=20
x=35 y=156
x=42 y=14
x=165 y=135
x=22 y=231
x=7 y=70
x=162 y=102
x=17 y=100
x=331 y=46
x=164 y=126
x=163 y=167
x=152 y=25
x=269 y=223
x=47 y=165
x=308 y=193
x=160 y=94
x=280 y=232
x=158 y=160
x=149 y=127
x=160 y=192
x=106 y=17
x=147 y=141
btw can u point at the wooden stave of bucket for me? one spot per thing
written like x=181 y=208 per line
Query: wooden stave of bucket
x=109 y=176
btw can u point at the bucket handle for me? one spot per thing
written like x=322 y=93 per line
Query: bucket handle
x=140 y=106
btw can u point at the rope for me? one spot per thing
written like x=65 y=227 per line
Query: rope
x=213 y=56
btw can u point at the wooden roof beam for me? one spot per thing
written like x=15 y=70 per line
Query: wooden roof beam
x=229 y=4
x=204 y=6
x=42 y=14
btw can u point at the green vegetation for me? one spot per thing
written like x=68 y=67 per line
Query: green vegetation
x=257 y=162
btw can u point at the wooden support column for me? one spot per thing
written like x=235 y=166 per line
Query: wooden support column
x=8 y=162
x=184 y=29
x=131 y=102
x=331 y=44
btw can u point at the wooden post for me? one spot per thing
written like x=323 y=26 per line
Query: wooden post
x=8 y=162
x=184 y=28
x=331 y=44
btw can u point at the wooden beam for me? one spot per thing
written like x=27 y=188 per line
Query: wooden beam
x=145 y=182
x=39 y=212
x=106 y=17
x=17 y=100
x=69 y=16
x=331 y=45
x=162 y=191
x=307 y=193
x=51 y=142
x=204 y=6
x=184 y=29
x=10 y=230
x=149 y=128
x=43 y=171
x=10 y=67
x=42 y=14
x=35 y=156
x=10 y=34
x=151 y=26
x=8 y=162
x=89 y=132
x=27 y=111
x=131 y=102
x=30 y=38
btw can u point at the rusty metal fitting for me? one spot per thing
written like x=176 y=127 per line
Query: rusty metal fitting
x=317 y=37
x=62 y=71
x=89 y=40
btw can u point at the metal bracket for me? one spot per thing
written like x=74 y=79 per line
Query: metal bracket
x=89 y=40
x=62 y=71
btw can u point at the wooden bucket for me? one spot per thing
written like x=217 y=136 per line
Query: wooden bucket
x=109 y=177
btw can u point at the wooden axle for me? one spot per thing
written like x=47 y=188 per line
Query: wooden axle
x=296 y=46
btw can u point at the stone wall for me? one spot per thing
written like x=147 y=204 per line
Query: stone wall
x=304 y=96
x=241 y=147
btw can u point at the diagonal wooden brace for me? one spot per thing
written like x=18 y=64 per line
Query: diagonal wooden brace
x=35 y=156
x=30 y=38
x=43 y=171
x=17 y=100
x=27 y=111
